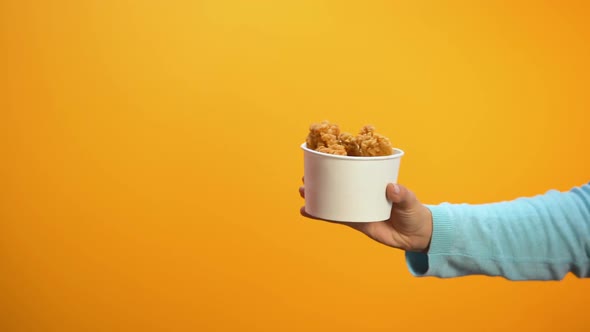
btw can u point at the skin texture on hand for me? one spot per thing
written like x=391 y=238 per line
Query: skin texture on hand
x=409 y=227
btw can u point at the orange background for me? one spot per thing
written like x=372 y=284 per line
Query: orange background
x=150 y=158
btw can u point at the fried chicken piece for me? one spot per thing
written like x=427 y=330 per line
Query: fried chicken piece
x=372 y=144
x=333 y=149
x=323 y=137
x=322 y=134
x=326 y=137
x=350 y=144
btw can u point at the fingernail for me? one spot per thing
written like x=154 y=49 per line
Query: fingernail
x=396 y=188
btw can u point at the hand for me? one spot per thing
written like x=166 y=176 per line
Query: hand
x=409 y=227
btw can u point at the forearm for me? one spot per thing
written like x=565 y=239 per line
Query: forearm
x=542 y=238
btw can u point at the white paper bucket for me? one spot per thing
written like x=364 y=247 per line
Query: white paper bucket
x=346 y=188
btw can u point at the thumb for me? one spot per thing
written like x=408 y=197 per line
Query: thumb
x=401 y=196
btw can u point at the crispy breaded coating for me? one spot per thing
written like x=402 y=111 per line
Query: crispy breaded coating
x=372 y=144
x=326 y=137
x=322 y=134
x=323 y=137
x=333 y=149
x=350 y=144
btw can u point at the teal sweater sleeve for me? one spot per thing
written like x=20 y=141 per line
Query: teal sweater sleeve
x=537 y=238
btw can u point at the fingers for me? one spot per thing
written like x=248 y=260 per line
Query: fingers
x=394 y=192
x=302 y=189
x=400 y=195
x=306 y=215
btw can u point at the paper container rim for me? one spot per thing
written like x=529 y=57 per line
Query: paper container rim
x=396 y=154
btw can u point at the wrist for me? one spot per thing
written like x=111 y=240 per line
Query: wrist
x=428 y=225
x=423 y=236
